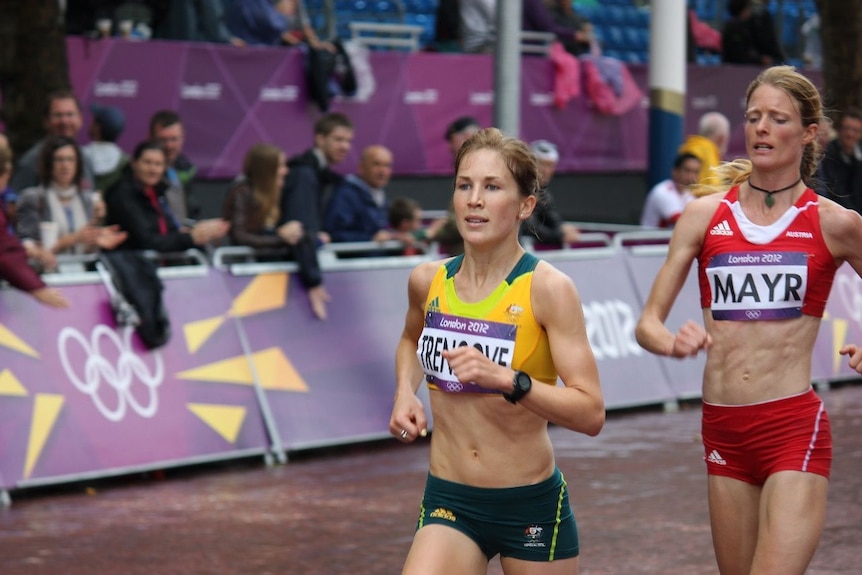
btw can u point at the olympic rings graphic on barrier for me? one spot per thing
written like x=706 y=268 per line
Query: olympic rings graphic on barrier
x=454 y=386
x=120 y=377
x=752 y=313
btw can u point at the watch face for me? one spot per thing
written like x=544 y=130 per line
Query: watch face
x=523 y=381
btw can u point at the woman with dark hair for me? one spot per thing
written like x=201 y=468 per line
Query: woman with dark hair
x=252 y=208
x=137 y=204
x=61 y=205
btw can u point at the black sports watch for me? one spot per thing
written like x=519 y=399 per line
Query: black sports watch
x=522 y=386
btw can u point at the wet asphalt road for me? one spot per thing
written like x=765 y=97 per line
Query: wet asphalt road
x=638 y=490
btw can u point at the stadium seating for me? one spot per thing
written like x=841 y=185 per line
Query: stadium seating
x=622 y=26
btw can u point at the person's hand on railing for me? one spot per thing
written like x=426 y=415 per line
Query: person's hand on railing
x=324 y=237
x=206 y=231
x=291 y=232
x=385 y=236
x=110 y=237
x=571 y=233
x=45 y=258
x=50 y=297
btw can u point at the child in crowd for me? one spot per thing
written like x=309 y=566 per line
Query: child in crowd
x=405 y=217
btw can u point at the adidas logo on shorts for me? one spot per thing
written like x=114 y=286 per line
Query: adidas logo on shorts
x=721 y=229
x=714 y=457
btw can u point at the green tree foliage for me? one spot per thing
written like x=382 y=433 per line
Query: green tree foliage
x=32 y=65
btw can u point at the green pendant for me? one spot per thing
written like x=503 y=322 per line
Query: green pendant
x=770 y=201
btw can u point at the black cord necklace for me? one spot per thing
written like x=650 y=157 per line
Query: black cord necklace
x=769 y=200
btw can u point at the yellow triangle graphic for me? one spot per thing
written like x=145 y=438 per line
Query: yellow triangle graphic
x=13 y=342
x=233 y=370
x=839 y=336
x=46 y=408
x=226 y=420
x=273 y=368
x=276 y=371
x=197 y=332
x=9 y=384
x=266 y=292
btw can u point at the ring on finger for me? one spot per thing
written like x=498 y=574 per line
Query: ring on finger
x=403 y=434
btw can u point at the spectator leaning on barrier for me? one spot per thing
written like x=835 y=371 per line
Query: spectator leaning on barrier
x=62 y=118
x=15 y=270
x=405 y=217
x=252 y=209
x=310 y=180
x=546 y=225
x=357 y=211
x=559 y=18
x=166 y=128
x=197 y=21
x=56 y=217
x=137 y=204
x=709 y=144
x=8 y=197
x=666 y=200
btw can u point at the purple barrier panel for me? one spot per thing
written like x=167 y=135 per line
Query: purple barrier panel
x=630 y=375
x=340 y=373
x=137 y=77
x=842 y=324
x=81 y=398
x=684 y=376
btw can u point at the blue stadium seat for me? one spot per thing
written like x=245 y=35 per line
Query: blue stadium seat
x=614 y=38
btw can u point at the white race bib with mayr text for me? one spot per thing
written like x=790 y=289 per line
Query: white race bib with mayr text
x=748 y=286
x=442 y=331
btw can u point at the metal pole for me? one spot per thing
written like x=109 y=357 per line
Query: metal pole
x=667 y=78
x=507 y=68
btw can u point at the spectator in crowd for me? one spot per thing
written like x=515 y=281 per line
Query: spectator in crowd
x=15 y=270
x=709 y=144
x=447 y=27
x=357 y=211
x=459 y=130
x=812 y=50
x=166 y=127
x=448 y=237
x=749 y=37
x=252 y=210
x=197 y=21
x=559 y=18
x=405 y=217
x=477 y=25
x=62 y=118
x=840 y=170
x=546 y=226
x=665 y=201
x=8 y=197
x=310 y=180
x=65 y=203
x=106 y=157
x=272 y=23
x=137 y=204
